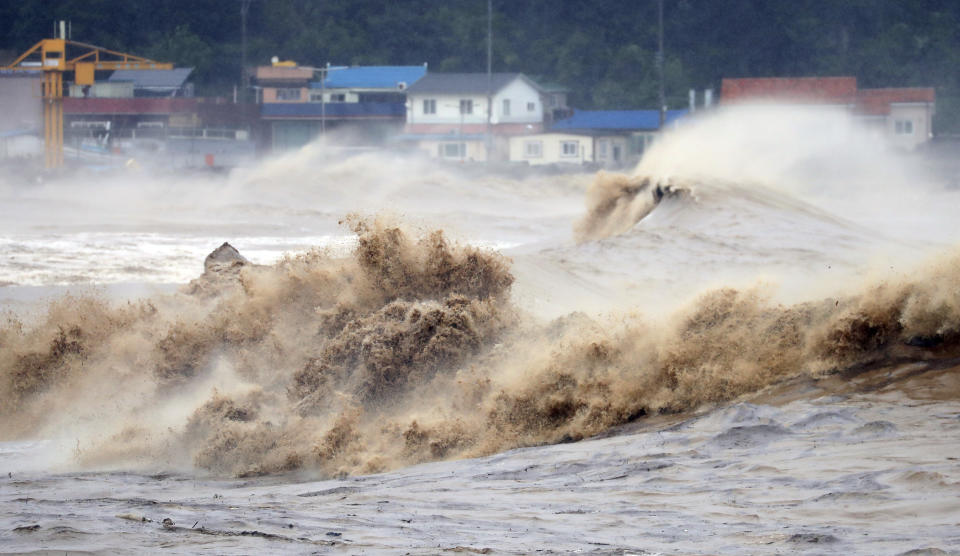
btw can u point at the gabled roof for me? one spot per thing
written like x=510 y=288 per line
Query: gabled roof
x=836 y=90
x=153 y=79
x=372 y=77
x=616 y=120
x=466 y=83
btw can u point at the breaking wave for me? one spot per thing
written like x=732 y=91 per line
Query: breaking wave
x=412 y=349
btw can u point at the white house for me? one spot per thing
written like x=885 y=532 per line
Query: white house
x=448 y=114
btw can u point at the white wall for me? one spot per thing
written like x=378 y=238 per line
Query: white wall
x=447 y=110
x=920 y=116
x=551 y=148
x=519 y=93
x=22 y=107
x=448 y=107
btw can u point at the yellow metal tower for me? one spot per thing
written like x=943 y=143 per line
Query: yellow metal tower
x=50 y=57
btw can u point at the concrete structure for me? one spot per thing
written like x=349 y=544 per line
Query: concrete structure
x=903 y=115
x=448 y=114
x=21 y=120
x=181 y=131
x=22 y=106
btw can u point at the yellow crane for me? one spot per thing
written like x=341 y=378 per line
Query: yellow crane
x=50 y=57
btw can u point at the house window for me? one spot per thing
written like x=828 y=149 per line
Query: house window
x=531 y=106
x=904 y=127
x=452 y=150
x=429 y=106
x=316 y=97
x=339 y=97
x=569 y=148
x=602 y=147
x=288 y=94
x=466 y=106
x=506 y=107
x=533 y=149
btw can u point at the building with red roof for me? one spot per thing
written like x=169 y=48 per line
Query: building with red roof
x=904 y=114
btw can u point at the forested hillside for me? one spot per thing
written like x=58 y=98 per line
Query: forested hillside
x=603 y=50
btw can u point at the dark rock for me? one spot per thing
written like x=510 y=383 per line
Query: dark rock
x=224 y=256
x=818 y=538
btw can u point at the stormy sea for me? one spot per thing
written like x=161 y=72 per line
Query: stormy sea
x=748 y=344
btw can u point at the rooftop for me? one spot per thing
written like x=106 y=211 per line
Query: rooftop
x=466 y=83
x=283 y=73
x=372 y=77
x=876 y=102
x=153 y=79
x=824 y=90
x=616 y=120
x=839 y=90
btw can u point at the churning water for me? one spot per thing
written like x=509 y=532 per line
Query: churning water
x=748 y=344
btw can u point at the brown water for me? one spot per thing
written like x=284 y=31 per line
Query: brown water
x=687 y=365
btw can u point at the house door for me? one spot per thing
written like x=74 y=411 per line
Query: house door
x=616 y=153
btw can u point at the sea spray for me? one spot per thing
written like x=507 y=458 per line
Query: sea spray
x=411 y=350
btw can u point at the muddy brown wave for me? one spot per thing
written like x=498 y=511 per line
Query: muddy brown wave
x=411 y=349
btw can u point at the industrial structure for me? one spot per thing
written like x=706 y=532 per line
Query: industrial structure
x=58 y=56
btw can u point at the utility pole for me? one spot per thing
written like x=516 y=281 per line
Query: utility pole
x=244 y=74
x=663 y=98
x=489 y=138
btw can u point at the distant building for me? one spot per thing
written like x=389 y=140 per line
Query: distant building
x=555 y=105
x=904 y=115
x=21 y=120
x=364 y=105
x=447 y=114
x=152 y=83
x=138 y=84
x=280 y=83
x=154 y=114
x=610 y=138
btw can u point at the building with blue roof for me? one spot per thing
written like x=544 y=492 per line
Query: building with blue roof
x=359 y=106
x=616 y=120
x=608 y=138
x=374 y=78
